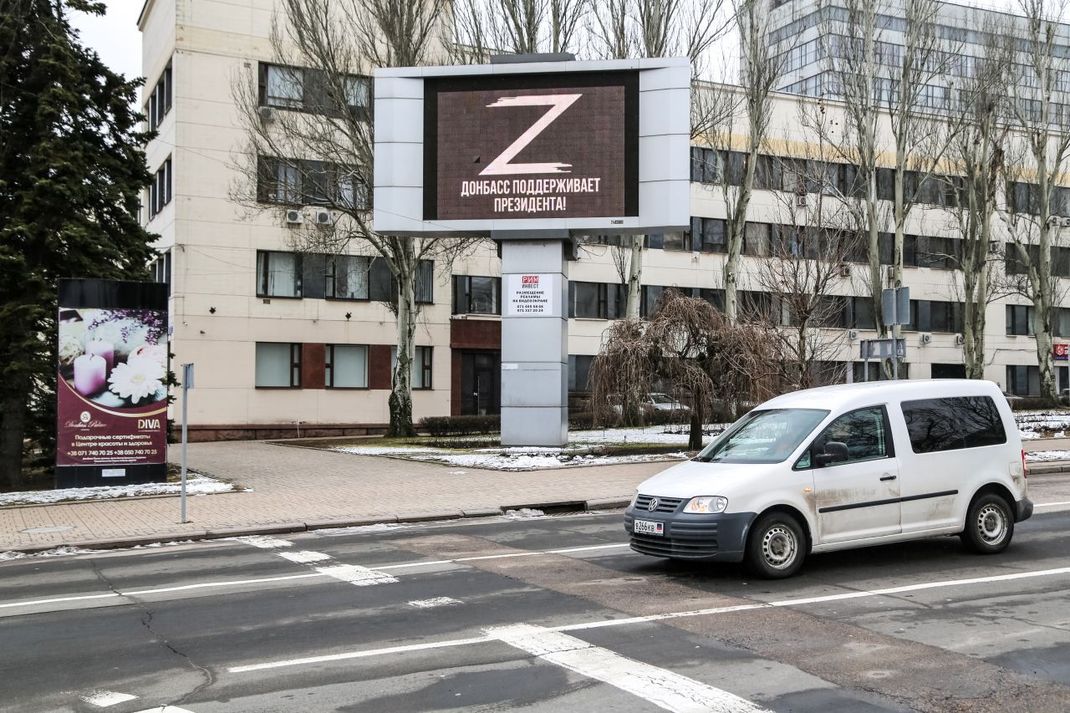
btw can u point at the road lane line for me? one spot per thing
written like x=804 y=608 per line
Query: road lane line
x=359 y=654
x=651 y=618
x=434 y=602
x=1051 y=505
x=663 y=688
x=304 y=556
x=357 y=575
x=105 y=699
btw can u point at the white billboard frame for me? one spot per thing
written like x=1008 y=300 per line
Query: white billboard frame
x=664 y=138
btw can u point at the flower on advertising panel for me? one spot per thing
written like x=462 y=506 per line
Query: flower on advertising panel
x=136 y=379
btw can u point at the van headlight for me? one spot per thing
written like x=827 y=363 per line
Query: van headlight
x=706 y=504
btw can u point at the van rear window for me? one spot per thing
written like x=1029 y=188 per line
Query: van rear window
x=953 y=423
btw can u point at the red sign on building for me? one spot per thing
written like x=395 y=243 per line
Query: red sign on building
x=1060 y=352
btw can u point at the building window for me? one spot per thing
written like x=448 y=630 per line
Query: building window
x=1020 y=320
x=278 y=365
x=159 y=102
x=278 y=274
x=383 y=287
x=347 y=366
x=161 y=269
x=309 y=90
x=420 y=374
x=579 y=372
x=160 y=188
x=597 y=300
x=476 y=295
x=293 y=182
x=346 y=277
x=648 y=303
x=876 y=371
x=1023 y=380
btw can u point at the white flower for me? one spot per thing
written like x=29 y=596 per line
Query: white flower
x=136 y=379
x=156 y=352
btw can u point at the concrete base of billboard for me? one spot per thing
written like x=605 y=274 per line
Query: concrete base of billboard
x=534 y=339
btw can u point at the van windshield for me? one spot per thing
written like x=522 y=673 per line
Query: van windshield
x=768 y=436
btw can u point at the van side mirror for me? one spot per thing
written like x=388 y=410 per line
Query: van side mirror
x=835 y=452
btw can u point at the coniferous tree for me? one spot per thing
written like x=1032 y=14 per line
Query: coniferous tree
x=71 y=172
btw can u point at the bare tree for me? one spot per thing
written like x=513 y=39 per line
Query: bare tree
x=1042 y=137
x=979 y=135
x=751 y=104
x=485 y=27
x=808 y=263
x=687 y=343
x=653 y=28
x=315 y=145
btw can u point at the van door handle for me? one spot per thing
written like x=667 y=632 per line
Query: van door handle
x=887 y=477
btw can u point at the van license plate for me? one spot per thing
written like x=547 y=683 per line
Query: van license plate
x=646 y=527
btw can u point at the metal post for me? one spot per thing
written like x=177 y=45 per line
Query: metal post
x=187 y=383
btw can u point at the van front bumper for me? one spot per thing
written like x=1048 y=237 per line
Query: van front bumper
x=719 y=537
x=1023 y=509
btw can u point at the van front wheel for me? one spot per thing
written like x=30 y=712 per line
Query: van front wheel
x=989 y=525
x=776 y=547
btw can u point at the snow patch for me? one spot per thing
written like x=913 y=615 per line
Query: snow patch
x=1043 y=456
x=524 y=514
x=358 y=529
x=195 y=485
x=435 y=602
x=496 y=460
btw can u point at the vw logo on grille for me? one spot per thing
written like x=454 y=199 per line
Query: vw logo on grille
x=652 y=505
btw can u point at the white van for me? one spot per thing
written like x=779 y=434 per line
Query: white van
x=839 y=467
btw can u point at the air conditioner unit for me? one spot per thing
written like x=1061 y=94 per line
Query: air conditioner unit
x=266 y=113
x=845 y=270
x=852 y=334
x=324 y=217
x=926 y=338
x=959 y=340
x=294 y=217
x=891 y=274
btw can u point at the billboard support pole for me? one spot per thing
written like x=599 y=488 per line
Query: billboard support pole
x=534 y=376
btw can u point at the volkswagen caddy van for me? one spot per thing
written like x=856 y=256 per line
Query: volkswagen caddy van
x=840 y=467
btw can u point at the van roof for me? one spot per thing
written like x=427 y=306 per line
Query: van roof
x=847 y=396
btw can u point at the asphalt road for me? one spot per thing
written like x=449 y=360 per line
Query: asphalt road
x=546 y=614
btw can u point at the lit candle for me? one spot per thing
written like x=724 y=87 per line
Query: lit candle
x=90 y=371
x=105 y=350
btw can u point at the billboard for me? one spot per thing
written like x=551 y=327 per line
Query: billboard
x=524 y=146
x=111 y=386
x=543 y=146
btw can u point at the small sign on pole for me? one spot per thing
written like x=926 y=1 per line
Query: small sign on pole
x=187 y=384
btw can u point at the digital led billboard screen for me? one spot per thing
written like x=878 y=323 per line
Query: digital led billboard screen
x=558 y=145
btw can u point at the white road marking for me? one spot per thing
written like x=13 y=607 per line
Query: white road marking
x=304 y=556
x=1051 y=505
x=264 y=542
x=663 y=688
x=581 y=626
x=359 y=654
x=435 y=602
x=507 y=555
x=355 y=574
x=165 y=709
x=57 y=600
x=103 y=699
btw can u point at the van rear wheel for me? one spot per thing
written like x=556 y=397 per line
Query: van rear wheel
x=776 y=546
x=989 y=525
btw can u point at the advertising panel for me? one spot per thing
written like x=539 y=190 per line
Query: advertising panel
x=534 y=295
x=1060 y=352
x=531 y=146
x=111 y=385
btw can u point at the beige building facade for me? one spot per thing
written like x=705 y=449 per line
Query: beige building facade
x=287 y=344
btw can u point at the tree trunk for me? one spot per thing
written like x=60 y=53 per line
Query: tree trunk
x=1042 y=328
x=694 y=439
x=12 y=427
x=635 y=274
x=401 y=380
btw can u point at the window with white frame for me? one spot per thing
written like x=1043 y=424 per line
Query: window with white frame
x=347 y=366
x=160 y=188
x=278 y=365
x=278 y=274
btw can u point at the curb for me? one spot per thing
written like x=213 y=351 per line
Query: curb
x=597 y=504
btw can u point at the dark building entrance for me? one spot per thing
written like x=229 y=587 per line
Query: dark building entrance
x=481 y=382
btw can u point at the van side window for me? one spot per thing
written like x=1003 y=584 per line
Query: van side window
x=953 y=423
x=863 y=431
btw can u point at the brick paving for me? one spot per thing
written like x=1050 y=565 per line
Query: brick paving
x=292 y=488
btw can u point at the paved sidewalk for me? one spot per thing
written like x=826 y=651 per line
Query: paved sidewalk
x=296 y=488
